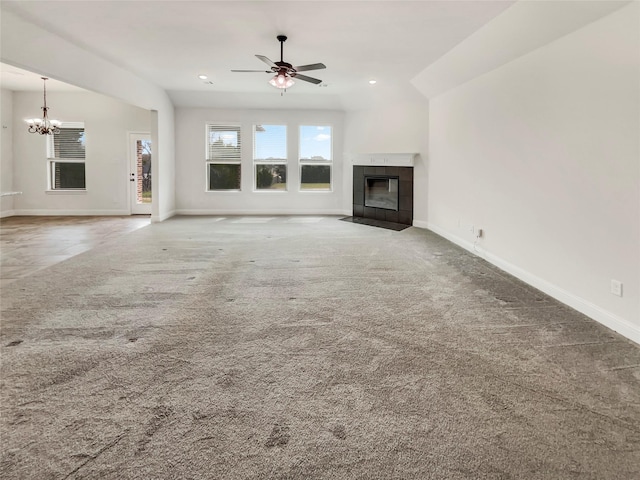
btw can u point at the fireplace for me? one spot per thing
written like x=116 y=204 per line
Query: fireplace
x=383 y=193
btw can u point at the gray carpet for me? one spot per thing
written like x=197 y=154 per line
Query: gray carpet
x=305 y=348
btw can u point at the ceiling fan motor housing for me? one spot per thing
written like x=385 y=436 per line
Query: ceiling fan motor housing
x=283 y=66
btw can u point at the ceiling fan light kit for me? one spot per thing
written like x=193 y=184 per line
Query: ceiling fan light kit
x=285 y=72
x=281 y=81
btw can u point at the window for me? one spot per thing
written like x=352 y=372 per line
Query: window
x=66 y=157
x=315 y=158
x=223 y=157
x=270 y=157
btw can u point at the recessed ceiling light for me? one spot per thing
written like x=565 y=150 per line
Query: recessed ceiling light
x=372 y=82
x=202 y=77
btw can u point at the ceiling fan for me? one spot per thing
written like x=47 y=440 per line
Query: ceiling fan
x=285 y=72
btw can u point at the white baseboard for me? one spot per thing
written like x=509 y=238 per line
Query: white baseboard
x=606 y=318
x=257 y=212
x=421 y=224
x=162 y=218
x=71 y=213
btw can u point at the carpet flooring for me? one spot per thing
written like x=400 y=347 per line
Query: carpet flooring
x=305 y=348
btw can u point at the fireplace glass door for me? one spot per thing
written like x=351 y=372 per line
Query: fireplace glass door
x=381 y=192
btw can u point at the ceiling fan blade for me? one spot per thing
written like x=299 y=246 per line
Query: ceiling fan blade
x=261 y=71
x=267 y=61
x=313 y=66
x=297 y=76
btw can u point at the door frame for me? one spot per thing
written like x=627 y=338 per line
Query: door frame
x=132 y=179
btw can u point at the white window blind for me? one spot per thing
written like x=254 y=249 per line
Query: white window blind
x=223 y=143
x=270 y=143
x=69 y=144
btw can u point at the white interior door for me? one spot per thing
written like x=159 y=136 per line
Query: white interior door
x=140 y=175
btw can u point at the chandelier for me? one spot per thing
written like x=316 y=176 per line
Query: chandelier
x=43 y=125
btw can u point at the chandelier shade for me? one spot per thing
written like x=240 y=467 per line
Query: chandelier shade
x=44 y=125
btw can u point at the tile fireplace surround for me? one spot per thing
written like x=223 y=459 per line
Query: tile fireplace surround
x=404 y=214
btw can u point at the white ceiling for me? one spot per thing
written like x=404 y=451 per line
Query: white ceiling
x=17 y=79
x=171 y=42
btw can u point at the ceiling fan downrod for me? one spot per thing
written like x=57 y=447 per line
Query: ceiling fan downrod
x=282 y=39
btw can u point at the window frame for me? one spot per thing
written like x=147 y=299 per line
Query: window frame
x=302 y=162
x=275 y=162
x=211 y=160
x=52 y=160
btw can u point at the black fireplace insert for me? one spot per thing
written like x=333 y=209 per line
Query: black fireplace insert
x=383 y=193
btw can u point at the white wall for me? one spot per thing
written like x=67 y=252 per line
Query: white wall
x=107 y=123
x=191 y=194
x=163 y=163
x=6 y=150
x=396 y=121
x=543 y=154
x=22 y=46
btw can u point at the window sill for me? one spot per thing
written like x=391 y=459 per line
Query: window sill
x=66 y=192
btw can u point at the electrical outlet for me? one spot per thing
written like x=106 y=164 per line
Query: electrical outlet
x=616 y=288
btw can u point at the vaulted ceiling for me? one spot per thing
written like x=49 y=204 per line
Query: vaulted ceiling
x=170 y=43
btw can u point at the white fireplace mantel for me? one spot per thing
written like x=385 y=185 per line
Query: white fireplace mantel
x=385 y=159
